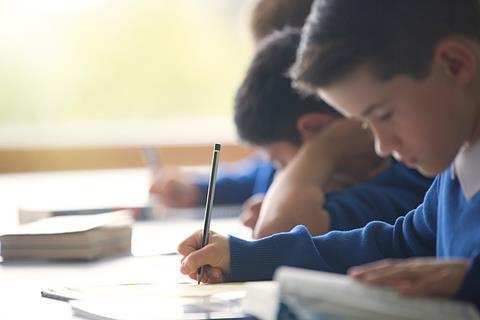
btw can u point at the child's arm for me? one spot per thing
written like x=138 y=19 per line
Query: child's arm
x=297 y=195
x=233 y=186
x=234 y=259
x=238 y=182
x=336 y=251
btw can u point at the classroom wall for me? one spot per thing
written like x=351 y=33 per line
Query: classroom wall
x=85 y=158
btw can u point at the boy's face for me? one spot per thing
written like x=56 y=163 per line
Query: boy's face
x=280 y=153
x=420 y=122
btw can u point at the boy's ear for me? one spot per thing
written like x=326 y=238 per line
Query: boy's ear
x=457 y=60
x=309 y=124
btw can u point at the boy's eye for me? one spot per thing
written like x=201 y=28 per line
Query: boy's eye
x=386 y=116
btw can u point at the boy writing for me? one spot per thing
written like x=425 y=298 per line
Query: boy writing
x=410 y=69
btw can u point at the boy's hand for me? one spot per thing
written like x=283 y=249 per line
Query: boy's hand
x=214 y=257
x=174 y=192
x=251 y=211
x=415 y=276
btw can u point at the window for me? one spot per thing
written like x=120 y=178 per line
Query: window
x=116 y=74
x=68 y=65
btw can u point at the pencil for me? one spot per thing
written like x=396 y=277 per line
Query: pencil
x=208 y=205
x=152 y=160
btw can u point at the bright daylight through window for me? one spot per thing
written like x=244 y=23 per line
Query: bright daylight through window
x=74 y=68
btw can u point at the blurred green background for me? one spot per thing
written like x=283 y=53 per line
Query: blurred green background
x=89 y=60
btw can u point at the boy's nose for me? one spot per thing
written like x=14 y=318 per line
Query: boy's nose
x=380 y=149
x=384 y=142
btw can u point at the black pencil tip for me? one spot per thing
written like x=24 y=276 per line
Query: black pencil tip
x=217 y=146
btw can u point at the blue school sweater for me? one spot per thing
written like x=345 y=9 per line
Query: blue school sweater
x=390 y=194
x=239 y=182
x=446 y=225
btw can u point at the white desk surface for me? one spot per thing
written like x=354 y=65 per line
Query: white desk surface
x=21 y=283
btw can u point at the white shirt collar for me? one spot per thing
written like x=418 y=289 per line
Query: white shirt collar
x=467 y=169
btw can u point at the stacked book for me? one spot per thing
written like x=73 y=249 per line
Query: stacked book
x=83 y=237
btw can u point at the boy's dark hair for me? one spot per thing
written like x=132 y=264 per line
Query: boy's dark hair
x=391 y=37
x=274 y=15
x=266 y=105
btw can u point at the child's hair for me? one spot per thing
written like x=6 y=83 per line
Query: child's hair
x=266 y=105
x=390 y=36
x=273 y=15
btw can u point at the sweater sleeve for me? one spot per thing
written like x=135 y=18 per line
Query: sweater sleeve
x=235 y=185
x=385 y=198
x=412 y=235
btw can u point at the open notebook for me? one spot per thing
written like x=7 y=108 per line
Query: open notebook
x=166 y=300
x=83 y=237
x=153 y=308
x=310 y=294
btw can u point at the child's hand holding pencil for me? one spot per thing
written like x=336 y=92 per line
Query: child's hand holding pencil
x=214 y=257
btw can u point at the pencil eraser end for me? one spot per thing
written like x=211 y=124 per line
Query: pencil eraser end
x=217 y=146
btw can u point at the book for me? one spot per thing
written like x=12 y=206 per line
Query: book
x=261 y=299
x=141 y=213
x=27 y=215
x=83 y=237
x=307 y=294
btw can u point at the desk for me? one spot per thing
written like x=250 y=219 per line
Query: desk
x=20 y=283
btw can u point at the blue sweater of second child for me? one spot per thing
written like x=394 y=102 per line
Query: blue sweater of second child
x=387 y=196
x=238 y=182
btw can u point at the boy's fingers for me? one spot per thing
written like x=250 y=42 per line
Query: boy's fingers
x=395 y=273
x=213 y=275
x=161 y=186
x=416 y=276
x=249 y=219
x=420 y=287
x=199 y=258
x=443 y=282
x=191 y=244
x=361 y=271
x=389 y=268
x=434 y=284
x=210 y=275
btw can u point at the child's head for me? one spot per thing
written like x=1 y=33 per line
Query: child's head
x=273 y=15
x=269 y=113
x=407 y=67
